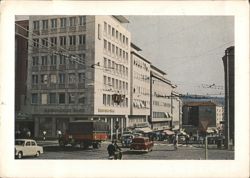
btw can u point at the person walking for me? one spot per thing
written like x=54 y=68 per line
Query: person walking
x=111 y=150
x=44 y=135
x=175 y=142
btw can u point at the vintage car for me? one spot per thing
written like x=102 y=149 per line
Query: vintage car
x=126 y=140
x=27 y=147
x=141 y=144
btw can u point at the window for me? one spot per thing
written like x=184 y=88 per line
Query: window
x=120 y=37
x=99 y=32
x=62 y=60
x=120 y=53
x=53 y=60
x=116 y=34
x=109 y=46
x=82 y=39
x=72 y=40
x=61 y=98
x=126 y=41
x=45 y=24
x=35 y=61
x=105 y=63
x=34 y=79
x=72 y=21
x=113 y=32
x=82 y=20
x=36 y=42
x=72 y=78
x=105 y=27
x=53 y=78
x=52 y=98
x=126 y=56
x=81 y=77
x=105 y=80
x=53 y=23
x=45 y=42
x=63 y=22
x=44 y=98
x=109 y=29
x=53 y=41
x=105 y=44
x=71 y=98
x=123 y=54
x=44 y=78
x=108 y=100
x=44 y=60
x=109 y=63
x=113 y=82
x=36 y=25
x=63 y=40
x=34 y=98
x=113 y=48
x=81 y=98
x=123 y=39
x=104 y=99
x=116 y=51
x=61 y=78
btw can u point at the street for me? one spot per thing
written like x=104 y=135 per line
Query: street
x=161 y=151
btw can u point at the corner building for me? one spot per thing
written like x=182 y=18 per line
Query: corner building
x=76 y=64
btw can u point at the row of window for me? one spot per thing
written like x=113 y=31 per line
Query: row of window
x=140 y=64
x=60 y=78
x=159 y=115
x=61 y=40
x=114 y=67
x=62 y=23
x=111 y=31
x=158 y=103
x=115 y=50
x=108 y=101
x=141 y=104
x=141 y=90
x=115 y=83
x=141 y=77
x=58 y=98
x=54 y=60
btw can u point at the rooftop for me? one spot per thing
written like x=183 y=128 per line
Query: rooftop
x=121 y=18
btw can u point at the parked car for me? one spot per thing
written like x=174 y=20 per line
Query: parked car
x=141 y=144
x=126 y=140
x=27 y=147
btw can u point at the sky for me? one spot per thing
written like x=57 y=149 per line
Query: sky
x=188 y=48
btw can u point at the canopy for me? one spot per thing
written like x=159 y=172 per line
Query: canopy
x=169 y=132
x=144 y=129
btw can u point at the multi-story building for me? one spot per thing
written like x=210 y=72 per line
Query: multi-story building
x=76 y=66
x=199 y=115
x=140 y=90
x=161 y=100
x=22 y=120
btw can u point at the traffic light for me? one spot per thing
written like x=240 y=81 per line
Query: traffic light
x=116 y=125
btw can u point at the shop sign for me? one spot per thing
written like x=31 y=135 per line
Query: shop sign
x=106 y=110
x=49 y=110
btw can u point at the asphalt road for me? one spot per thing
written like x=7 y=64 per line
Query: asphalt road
x=161 y=151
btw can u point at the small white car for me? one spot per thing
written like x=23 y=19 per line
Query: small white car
x=27 y=147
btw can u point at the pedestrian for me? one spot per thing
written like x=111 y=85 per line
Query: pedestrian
x=118 y=153
x=111 y=150
x=59 y=133
x=175 y=141
x=187 y=139
x=28 y=134
x=44 y=135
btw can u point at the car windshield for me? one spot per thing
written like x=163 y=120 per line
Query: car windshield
x=19 y=142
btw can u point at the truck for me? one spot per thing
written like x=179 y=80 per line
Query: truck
x=86 y=133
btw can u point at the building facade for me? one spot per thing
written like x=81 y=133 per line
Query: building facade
x=140 y=90
x=76 y=65
x=197 y=115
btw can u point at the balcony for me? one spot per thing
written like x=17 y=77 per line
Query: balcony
x=82 y=28
x=44 y=32
x=62 y=67
x=52 y=67
x=80 y=66
x=34 y=87
x=52 y=86
x=82 y=47
x=53 y=30
x=81 y=85
x=72 y=86
x=43 y=68
x=36 y=32
x=72 y=48
x=61 y=86
x=71 y=66
x=72 y=29
x=44 y=86
x=62 y=30
x=34 y=68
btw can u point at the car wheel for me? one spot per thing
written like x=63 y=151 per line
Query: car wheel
x=19 y=155
x=37 y=153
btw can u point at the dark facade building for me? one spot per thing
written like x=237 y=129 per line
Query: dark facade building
x=21 y=63
x=228 y=62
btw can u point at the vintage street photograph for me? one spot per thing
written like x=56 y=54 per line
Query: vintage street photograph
x=124 y=87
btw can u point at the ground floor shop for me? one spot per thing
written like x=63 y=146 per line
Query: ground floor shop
x=51 y=124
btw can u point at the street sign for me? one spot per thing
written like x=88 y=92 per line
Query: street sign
x=203 y=124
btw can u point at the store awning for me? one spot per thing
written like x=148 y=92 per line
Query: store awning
x=144 y=129
x=168 y=132
x=167 y=114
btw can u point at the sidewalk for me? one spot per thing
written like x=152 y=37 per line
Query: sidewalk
x=45 y=143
